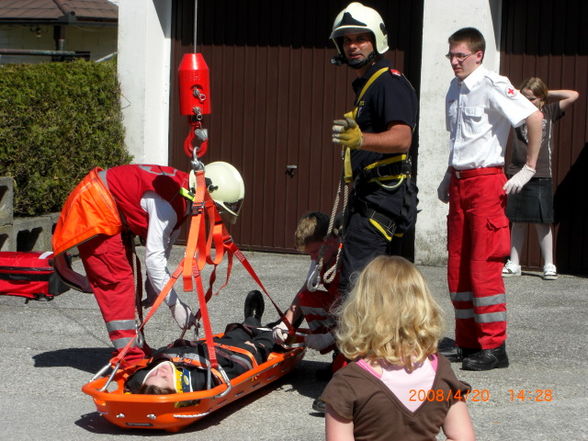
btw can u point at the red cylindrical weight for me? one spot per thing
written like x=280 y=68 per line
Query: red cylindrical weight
x=194 y=85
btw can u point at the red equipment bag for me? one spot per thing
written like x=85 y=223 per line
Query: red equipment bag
x=30 y=275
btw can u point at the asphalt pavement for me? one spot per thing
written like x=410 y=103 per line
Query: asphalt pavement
x=49 y=350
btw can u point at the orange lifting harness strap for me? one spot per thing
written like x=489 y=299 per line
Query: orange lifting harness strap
x=198 y=364
x=197 y=250
x=223 y=243
x=198 y=253
x=238 y=350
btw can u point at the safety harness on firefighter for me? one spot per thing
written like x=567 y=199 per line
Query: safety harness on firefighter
x=388 y=173
x=395 y=168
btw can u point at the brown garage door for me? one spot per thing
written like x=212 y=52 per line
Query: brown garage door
x=274 y=96
x=550 y=40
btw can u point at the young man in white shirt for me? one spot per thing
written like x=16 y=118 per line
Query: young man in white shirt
x=481 y=106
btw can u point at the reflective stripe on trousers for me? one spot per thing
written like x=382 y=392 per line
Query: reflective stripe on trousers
x=480 y=311
x=109 y=271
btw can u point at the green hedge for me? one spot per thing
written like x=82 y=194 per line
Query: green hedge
x=57 y=122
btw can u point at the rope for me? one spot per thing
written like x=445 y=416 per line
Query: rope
x=332 y=271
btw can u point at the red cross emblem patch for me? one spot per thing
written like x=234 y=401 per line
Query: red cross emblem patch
x=510 y=92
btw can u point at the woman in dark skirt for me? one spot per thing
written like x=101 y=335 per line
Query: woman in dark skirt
x=534 y=204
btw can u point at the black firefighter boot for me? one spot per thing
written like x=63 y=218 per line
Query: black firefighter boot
x=486 y=359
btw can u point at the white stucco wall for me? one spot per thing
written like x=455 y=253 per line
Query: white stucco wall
x=441 y=19
x=144 y=70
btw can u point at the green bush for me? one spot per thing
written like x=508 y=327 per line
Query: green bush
x=57 y=122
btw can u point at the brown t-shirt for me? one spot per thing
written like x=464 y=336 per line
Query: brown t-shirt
x=377 y=414
x=551 y=113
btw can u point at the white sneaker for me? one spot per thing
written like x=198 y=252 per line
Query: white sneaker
x=511 y=270
x=549 y=272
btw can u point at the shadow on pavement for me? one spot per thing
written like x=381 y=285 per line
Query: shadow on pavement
x=304 y=378
x=85 y=359
x=93 y=422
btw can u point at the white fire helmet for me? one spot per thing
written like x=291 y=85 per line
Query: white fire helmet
x=226 y=188
x=357 y=18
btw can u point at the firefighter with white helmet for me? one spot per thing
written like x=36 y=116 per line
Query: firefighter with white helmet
x=376 y=137
x=357 y=18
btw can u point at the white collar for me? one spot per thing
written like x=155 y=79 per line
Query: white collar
x=474 y=78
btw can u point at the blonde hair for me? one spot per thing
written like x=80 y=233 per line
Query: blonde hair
x=390 y=315
x=312 y=227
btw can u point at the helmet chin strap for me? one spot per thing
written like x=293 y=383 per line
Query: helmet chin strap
x=359 y=64
x=338 y=60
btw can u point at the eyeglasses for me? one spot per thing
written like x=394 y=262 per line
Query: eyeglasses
x=458 y=56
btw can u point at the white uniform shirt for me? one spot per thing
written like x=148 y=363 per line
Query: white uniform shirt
x=160 y=239
x=479 y=112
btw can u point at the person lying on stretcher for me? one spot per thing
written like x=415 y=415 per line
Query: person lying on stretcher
x=164 y=376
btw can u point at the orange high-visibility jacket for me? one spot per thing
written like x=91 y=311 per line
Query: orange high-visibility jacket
x=88 y=211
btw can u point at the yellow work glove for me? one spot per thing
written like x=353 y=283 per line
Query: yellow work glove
x=347 y=133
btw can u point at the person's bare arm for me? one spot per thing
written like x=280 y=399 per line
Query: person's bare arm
x=535 y=132
x=397 y=139
x=458 y=424
x=337 y=428
x=565 y=97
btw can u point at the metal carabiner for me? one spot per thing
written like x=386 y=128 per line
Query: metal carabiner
x=313 y=280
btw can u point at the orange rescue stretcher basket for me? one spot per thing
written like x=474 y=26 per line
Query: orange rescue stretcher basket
x=172 y=412
x=175 y=411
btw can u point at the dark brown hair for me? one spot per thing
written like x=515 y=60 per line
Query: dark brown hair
x=471 y=36
x=150 y=389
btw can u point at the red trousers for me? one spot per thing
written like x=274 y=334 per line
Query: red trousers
x=108 y=264
x=478 y=241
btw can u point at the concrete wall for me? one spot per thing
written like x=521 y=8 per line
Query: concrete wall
x=144 y=74
x=441 y=19
x=99 y=40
